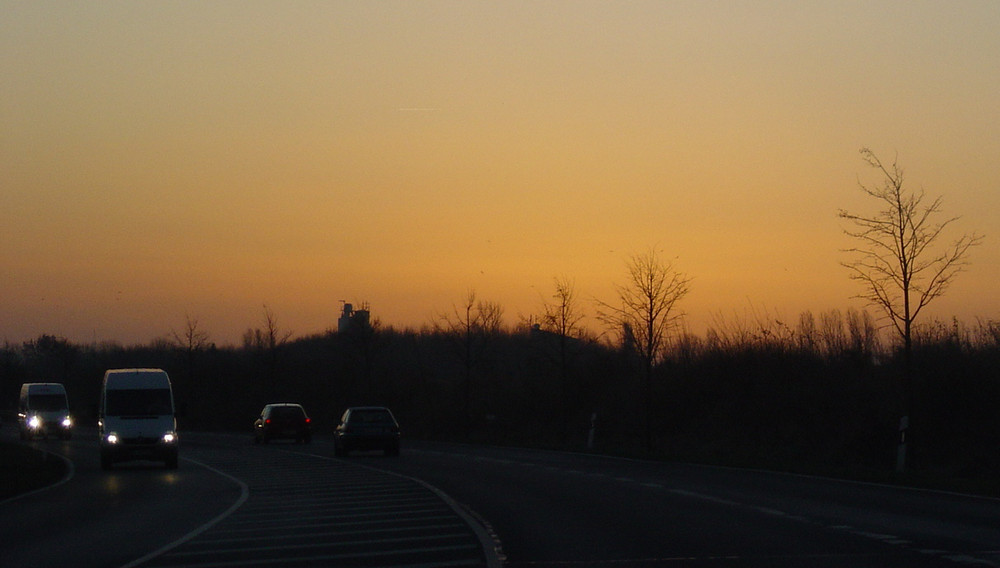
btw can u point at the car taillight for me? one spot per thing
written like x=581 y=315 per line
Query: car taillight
x=308 y=420
x=267 y=421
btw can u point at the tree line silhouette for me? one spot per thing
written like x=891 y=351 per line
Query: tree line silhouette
x=819 y=395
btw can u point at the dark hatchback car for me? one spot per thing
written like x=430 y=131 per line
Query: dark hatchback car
x=367 y=428
x=287 y=421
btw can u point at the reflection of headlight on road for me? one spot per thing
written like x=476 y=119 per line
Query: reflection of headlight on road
x=67 y=422
x=112 y=438
x=169 y=438
x=34 y=422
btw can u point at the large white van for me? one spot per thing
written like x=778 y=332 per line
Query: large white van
x=136 y=417
x=43 y=410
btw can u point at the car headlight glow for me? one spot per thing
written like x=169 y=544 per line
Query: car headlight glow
x=67 y=422
x=112 y=438
x=169 y=438
x=34 y=422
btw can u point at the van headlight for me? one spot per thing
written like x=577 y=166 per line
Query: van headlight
x=111 y=438
x=67 y=422
x=169 y=438
x=34 y=422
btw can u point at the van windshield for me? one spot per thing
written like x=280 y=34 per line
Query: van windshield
x=46 y=402
x=138 y=402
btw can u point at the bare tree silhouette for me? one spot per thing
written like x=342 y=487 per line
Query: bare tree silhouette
x=191 y=341
x=562 y=317
x=267 y=343
x=470 y=327
x=647 y=314
x=897 y=260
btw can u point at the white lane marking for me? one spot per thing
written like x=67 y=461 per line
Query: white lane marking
x=970 y=560
x=703 y=497
x=315 y=532
x=313 y=525
x=377 y=515
x=327 y=559
x=415 y=541
x=244 y=495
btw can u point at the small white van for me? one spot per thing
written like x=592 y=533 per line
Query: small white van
x=42 y=410
x=136 y=418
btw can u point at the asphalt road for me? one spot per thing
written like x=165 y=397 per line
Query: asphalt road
x=231 y=503
x=235 y=504
x=565 y=510
x=101 y=519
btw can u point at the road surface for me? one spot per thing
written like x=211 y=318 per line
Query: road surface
x=231 y=503
x=569 y=510
x=235 y=504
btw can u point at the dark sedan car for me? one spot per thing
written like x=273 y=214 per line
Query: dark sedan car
x=284 y=420
x=367 y=428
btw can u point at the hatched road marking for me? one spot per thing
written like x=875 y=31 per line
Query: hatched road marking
x=302 y=510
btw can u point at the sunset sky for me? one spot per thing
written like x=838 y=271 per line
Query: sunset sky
x=164 y=160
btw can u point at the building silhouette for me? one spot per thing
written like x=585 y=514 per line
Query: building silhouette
x=353 y=319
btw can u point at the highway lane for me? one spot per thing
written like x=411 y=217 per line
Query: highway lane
x=108 y=519
x=307 y=508
x=558 y=509
x=232 y=503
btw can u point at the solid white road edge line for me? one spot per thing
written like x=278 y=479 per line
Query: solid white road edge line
x=244 y=495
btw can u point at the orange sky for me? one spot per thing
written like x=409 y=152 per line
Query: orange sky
x=169 y=159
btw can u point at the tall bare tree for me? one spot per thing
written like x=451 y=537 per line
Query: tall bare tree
x=900 y=262
x=562 y=317
x=471 y=326
x=192 y=340
x=647 y=313
x=267 y=343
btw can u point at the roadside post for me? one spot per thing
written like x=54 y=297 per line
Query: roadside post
x=590 y=435
x=904 y=424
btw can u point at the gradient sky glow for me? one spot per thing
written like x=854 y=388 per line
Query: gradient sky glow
x=168 y=159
